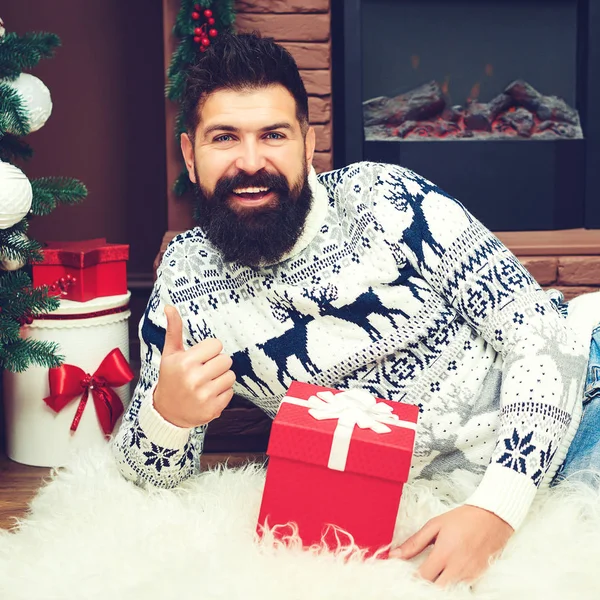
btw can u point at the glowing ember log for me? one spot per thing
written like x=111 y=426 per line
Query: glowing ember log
x=521 y=120
x=424 y=113
x=406 y=128
x=453 y=113
x=561 y=129
x=480 y=116
x=419 y=104
x=547 y=108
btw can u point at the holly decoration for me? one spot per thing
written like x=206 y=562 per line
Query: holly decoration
x=25 y=319
x=62 y=285
x=197 y=24
x=202 y=33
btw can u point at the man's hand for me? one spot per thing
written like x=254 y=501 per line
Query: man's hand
x=194 y=385
x=464 y=540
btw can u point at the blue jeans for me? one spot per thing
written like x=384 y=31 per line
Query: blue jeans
x=583 y=459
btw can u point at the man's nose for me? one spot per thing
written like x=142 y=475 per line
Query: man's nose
x=251 y=159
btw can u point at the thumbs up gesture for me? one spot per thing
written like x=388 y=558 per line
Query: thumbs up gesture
x=194 y=385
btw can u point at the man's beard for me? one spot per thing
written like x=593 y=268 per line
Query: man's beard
x=254 y=236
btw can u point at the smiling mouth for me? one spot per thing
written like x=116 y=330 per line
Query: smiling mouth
x=253 y=195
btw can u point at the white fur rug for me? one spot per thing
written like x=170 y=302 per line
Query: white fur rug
x=92 y=535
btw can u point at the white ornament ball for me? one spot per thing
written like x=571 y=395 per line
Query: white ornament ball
x=7 y=264
x=11 y=264
x=2 y=30
x=35 y=97
x=15 y=195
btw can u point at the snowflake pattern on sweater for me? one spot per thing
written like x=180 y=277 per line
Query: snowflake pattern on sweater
x=395 y=288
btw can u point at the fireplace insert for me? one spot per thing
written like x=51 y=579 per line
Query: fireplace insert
x=493 y=100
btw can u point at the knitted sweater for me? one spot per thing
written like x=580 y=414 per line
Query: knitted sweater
x=395 y=288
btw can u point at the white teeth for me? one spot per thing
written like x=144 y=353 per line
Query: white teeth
x=250 y=190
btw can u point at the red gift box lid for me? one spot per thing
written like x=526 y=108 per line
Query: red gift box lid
x=296 y=435
x=85 y=253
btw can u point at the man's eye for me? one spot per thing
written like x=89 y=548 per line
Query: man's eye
x=273 y=135
x=223 y=138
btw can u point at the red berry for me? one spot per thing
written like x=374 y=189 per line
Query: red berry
x=213 y=33
x=197 y=7
x=208 y=13
x=74 y=279
x=197 y=39
x=198 y=31
x=205 y=42
x=195 y=15
x=202 y=49
x=211 y=21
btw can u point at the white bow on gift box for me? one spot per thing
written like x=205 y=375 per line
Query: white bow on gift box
x=350 y=408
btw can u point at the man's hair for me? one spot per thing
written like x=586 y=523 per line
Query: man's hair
x=241 y=62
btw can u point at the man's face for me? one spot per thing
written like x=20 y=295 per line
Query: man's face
x=249 y=163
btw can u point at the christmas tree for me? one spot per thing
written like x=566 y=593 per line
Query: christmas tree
x=25 y=105
x=198 y=23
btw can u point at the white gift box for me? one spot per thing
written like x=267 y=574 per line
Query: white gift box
x=86 y=332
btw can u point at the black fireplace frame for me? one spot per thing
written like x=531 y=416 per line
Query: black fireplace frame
x=581 y=159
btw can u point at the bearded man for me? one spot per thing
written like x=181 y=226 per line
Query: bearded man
x=368 y=276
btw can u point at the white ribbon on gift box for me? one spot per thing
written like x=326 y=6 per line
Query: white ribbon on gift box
x=350 y=408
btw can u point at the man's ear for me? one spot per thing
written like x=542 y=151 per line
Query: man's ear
x=309 y=144
x=187 y=149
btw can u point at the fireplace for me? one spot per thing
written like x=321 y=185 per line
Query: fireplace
x=493 y=100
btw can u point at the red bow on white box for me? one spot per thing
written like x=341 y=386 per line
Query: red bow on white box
x=68 y=381
x=349 y=408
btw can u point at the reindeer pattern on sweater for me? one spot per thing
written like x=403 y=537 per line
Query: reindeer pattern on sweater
x=396 y=289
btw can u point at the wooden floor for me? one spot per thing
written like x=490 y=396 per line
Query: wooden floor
x=19 y=483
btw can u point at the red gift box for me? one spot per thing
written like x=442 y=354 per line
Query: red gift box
x=337 y=458
x=81 y=271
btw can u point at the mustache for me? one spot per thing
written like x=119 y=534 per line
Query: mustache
x=274 y=181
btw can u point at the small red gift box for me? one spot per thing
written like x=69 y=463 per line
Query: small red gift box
x=338 y=458
x=82 y=271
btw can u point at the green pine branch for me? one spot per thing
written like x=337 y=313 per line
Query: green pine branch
x=182 y=184
x=183 y=25
x=10 y=330
x=224 y=14
x=13 y=148
x=38 y=302
x=12 y=282
x=179 y=125
x=48 y=192
x=181 y=59
x=22 y=53
x=14 y=246
x=18 y=356
x=18 y=297
x=13 y=116
x=175 y=87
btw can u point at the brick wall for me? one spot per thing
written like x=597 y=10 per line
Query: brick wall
x=303 y=27
x=572 y=275
x=567 y=260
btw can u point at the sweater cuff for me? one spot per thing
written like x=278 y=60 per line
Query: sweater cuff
x=159 y=431
x=505 y=493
